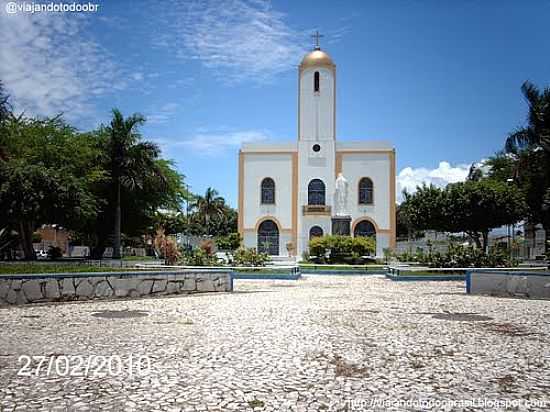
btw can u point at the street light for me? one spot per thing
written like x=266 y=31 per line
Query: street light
x=510 y=240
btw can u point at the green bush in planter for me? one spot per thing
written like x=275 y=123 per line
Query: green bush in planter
x=341 y=249
x=250 y=257
x=230 y=242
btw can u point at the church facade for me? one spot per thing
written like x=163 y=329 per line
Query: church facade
x=291 y=192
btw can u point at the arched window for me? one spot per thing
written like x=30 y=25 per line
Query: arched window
x=316 y=192
x=315 y=231
x=316 y=82
x=268 y=238
x=268 y=191
x=365 y=191
x=364 y=228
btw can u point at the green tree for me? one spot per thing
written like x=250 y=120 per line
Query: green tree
x=473 y=207
x=424 y=210
x=531 y=145
x=45 y=177
x=537 y=131
x=476 y=207
x=131 y=162
x=209 y=207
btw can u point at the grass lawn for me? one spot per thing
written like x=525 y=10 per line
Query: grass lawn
x=341 y=267
x=140 y=258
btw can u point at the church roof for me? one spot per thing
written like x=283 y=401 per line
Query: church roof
x=316 y=58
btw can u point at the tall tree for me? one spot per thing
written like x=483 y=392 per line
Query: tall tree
x=210 y=206
x=531 y=146
x=536 y=134
x=131 y=162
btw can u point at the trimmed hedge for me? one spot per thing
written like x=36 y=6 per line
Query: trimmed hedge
x=341 y=249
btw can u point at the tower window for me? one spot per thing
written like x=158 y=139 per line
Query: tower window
x=316 y=148
x=365 y=191
x=316 y=82
x=268 y=191
x=316 y=192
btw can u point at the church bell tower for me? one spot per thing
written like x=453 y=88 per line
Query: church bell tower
x=316 y=144
x=317 y=96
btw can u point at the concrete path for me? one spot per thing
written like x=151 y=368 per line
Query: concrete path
x=320 y=343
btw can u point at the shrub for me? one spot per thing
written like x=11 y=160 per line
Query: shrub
x=54 y=253
x=229 y=243
x=363 y=246
x=198 y=257
x=250 y=257
x=341 y=249
x=158 y=242
x=166 y=247
x=460 y=256
x=171 y=251
x=207 y=246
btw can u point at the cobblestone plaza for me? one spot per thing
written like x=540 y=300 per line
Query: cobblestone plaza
x=320 y=343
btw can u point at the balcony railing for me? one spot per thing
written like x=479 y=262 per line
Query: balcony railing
x=316 y=210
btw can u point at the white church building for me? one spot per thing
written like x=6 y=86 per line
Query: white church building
x=288 y=191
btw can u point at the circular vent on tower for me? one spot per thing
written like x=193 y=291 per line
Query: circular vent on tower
x=316 y=148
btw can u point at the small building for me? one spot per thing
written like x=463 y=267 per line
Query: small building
x=287 y=190
x=52 y=235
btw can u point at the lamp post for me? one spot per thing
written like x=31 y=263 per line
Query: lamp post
x=510 y=239
x=187 y=217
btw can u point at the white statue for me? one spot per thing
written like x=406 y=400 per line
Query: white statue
x=341 y=196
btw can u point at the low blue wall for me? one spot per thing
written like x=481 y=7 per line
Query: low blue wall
x=334 y=270
x=269 y=273
x=411 y=277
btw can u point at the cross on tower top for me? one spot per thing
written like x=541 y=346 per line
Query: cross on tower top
x=316 y=37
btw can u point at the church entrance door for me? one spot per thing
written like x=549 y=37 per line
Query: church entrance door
x=268 y=238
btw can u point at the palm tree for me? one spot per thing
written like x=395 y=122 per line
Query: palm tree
x=5 y=114
x=537 y=132
x=210 y=206
x=131 y=162
x=531 y=146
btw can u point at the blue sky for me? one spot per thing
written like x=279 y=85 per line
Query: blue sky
x=440 y=79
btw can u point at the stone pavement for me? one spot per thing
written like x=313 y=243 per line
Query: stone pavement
x=321 y=343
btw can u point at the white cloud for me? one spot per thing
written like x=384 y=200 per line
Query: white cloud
x=236 y=39
x=216 y=143
x=49 y=65
x=206 y=142
x=444 y=174
x=163 y=114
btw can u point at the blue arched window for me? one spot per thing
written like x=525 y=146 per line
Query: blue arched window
x=364 y=228
x=316 y=192
x=268 y=191
x=315 y=231
x=366 y=191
